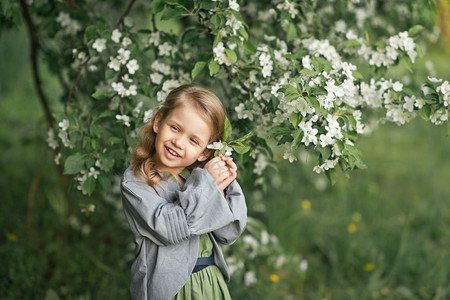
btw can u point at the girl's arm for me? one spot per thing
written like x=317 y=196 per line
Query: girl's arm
x=199 y=208
x=236 y=201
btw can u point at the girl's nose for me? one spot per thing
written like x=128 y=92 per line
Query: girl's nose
x=178 y=143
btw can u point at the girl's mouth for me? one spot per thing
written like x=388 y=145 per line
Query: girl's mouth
x=171 y=152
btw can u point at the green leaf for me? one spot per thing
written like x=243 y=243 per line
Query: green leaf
x=227 y=130
x=407 y=62
x=242 y=32
x=199 y=68
x=231 y=55
x=249 y=47
x=89 y=185
x=325 y=152
x=74 y=164
x=415 y=30
x=157 y=6
x=295 y=119
x=216 y=20
x=241 y=148
x=172 y=13
x=308 y=72
x=243 y=138
x=358 y=75
x=90 y=33
x=278 y=130
x=425 y=112
x=105 y=183
x=291 y=33
x=332 y=175
x=298 y=136
x=352 y=43
x=101 y=93
x=213 y=67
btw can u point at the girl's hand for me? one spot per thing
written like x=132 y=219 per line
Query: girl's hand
x=222 y=170
x=232 y=169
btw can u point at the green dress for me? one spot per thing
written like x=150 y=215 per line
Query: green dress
x=205 y=284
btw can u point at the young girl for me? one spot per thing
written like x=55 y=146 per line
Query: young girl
x=178 y=219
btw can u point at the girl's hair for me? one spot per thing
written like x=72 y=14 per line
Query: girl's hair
x=209 y=106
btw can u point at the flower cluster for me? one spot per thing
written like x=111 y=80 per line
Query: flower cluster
x=70 y=26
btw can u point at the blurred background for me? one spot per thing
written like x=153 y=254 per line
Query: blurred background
x=382 y=234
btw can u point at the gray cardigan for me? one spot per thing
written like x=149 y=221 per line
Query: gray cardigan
x=166 y=221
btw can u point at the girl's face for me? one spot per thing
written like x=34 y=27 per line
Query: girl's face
x=181 y=138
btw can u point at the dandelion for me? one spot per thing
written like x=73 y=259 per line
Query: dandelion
x=351 y=228
x=369 y=267
x=11 y=236
x=274 y=277
x=306 y=205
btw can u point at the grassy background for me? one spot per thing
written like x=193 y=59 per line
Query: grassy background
x=397 y=212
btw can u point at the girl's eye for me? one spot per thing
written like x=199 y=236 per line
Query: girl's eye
x=174 y=127
x=194 y=141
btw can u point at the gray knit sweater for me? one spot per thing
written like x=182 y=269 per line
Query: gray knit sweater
x=166 y=221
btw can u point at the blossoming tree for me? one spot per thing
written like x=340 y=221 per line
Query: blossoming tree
x=296 y=75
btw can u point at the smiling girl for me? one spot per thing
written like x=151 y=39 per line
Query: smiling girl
x=178 y=219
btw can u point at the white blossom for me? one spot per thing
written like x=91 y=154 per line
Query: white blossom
x=116 y=35
x=165 y=49
x=93 y=173
x=64 y=124
x=397 y=86
x=114 y=64
x=233 y=5
x=124 y=119
x=51 y=141
x=156 y=78
x=148 y=115
x=126 y=41
x=99 y=45
x=123 y=55
x=132 y=66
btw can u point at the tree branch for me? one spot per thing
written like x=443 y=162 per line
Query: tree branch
x=74 y=85
x=125 y=13
x=34 y=49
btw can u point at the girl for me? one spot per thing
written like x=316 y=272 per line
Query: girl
x=179 y=219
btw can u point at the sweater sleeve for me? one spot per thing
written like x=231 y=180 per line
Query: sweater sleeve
x=199 y=208
x=236 y=202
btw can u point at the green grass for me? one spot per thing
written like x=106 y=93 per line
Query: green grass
x=403 y=200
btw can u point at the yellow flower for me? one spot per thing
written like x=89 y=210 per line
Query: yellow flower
x=306 y=205
x=11 y=236
x=351 y=228
x=274 y=277
x=369 y=267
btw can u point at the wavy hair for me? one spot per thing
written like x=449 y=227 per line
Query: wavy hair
x=207 y=103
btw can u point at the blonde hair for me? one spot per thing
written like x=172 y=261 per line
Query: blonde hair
x=204 y=100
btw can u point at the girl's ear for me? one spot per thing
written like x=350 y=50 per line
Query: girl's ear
x=157 y=122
